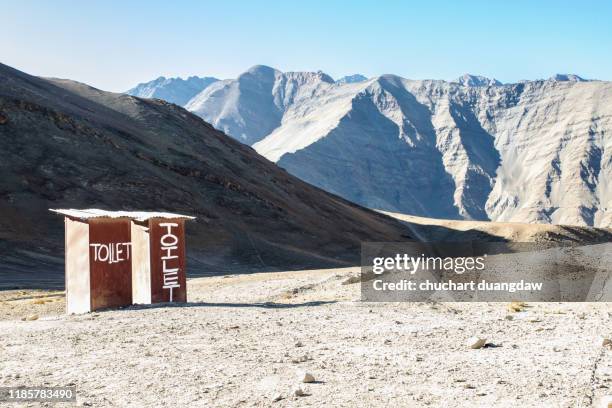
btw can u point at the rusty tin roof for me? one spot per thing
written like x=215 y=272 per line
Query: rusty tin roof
x=90 y=213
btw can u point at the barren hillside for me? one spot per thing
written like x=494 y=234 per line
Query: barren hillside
x=65 y=144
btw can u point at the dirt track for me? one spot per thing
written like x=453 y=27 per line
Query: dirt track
x=243 y=339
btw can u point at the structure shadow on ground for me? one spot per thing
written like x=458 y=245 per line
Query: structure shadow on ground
x=264 y=305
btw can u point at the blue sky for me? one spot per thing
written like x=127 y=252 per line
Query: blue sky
x=115 y=44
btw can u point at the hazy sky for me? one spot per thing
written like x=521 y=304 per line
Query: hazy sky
x=115 y=44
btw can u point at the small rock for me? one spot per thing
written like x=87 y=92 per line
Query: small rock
x=509 y=317
x=277 y=397
x=516 y=307
x=298 y=391
x=300 y=359
x=306 y=377
x=606 y=342
x=31 y=317
x=299 y=344
x=476 y=342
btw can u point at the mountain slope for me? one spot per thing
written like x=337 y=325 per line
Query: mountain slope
x=66 y=144
x=532 y=152
x=252 y=106
x=174 y=90
x=535 y=151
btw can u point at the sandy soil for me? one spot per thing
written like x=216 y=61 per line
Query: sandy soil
x=243 y=340
x=432 y=229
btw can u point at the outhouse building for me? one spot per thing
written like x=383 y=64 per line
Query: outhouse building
x=117 y=258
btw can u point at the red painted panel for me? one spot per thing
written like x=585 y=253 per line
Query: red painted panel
x=110 y=263
x=167 y=243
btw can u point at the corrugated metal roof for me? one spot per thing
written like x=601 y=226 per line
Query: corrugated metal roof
x=135 y=215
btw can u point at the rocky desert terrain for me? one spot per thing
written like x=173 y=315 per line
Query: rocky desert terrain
x=301 y=337
x=252 y=341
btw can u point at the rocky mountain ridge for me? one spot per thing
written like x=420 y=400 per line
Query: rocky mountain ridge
x=174 y=90
x=535 y=151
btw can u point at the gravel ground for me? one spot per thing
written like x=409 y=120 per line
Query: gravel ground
x=244 y=341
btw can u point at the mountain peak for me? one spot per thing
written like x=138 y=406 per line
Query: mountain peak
x=351 y=79
x=261 y=69
x=175 y=90
x=470 y=80
x=324 y=77
x=567 y=78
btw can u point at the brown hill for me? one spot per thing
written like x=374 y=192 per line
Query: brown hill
x=65 y=144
